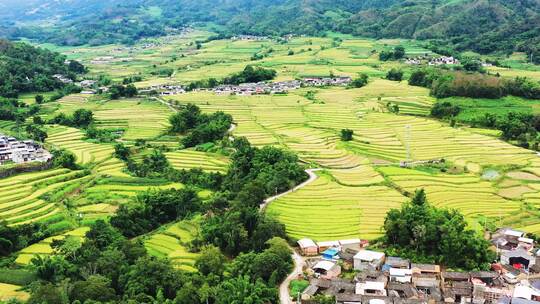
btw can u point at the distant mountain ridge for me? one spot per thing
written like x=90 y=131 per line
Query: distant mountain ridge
x=481 y=25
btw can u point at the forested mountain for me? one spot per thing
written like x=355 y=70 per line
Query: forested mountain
x=24 y=68
x=481 y=25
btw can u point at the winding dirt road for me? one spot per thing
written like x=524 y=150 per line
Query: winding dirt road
x=312 y=177
x=284 y=296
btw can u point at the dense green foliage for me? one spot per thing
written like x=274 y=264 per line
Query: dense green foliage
x=427 y=234
x=154 y=208
x=102 y=135
x=64 y=159
x=444 y=110
x=394 y=74
x=276 y=169
x=17 y=237
x=199 y=128
x=346 y=134
x=81 y=118
x=360 y=81
x=251 y=74
x=116 y=91
x=24 y=68
x=107 y=267
x=444 y=83
x=397 y=53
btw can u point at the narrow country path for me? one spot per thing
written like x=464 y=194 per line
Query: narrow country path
x=312 y=177
x=284 y=296
x=166 y=104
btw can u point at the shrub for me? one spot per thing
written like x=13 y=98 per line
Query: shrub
x=394 y=74
x=361 y=81
x=347 y=134
x=444 y=109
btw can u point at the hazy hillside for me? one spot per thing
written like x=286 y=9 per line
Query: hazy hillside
x=484 y=26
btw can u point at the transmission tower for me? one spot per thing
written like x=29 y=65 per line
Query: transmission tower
x=408 y=142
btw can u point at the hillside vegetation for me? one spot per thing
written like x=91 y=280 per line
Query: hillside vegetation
x=483 y=26
x=24 y=68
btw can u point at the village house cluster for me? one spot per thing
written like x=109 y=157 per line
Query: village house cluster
x=438 y=61
x=249 y=38
x=258 y=88
x=281 y=87
x=164 y=89
x=110 y=59
x=443 y=60
x=381 y=279
x=247 y=89
x=19 y=152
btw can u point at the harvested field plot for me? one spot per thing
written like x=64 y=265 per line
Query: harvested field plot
x=172 y=242
x=326 y=210
x=22 y=200
x=189 y=159
x=71 y=139
x=43 y=248
x=464 y=192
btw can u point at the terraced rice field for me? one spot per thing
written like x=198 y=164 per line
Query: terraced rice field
x=103 y=198
x=326 y=210
x=71 y=139
x=389 y=137
x=9 y=291
x=112 y=167
x=356 y=189
x=171 y=243
x=360 y=176
x=140 y=119
x=189 y=159
x=22 y=198
x=311 y=129
x=43 y=248
x=464 y=192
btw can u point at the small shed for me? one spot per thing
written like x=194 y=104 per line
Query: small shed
x=400 y=275
x=518 y=258
x=425 y=268
x=328 y=244
x=397 y=262
x=308 y=247
x=330 y=254
x=354 y=244
x=368 y=260
x=344 y=298
x=371 y=288
x=327 y=270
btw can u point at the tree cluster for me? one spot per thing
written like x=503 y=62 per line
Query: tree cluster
x=394 y=74
x=109 y=268
x=397 y=53
x=250 y=74
x=154 y=208
x=116 y=91
x=475 y=85
x=81 y=118
x=425 y=233
x=444 y=109
x=25 y=68
x=346 y=134
x=361 y=81
x=199 y=128
x=102 y=135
